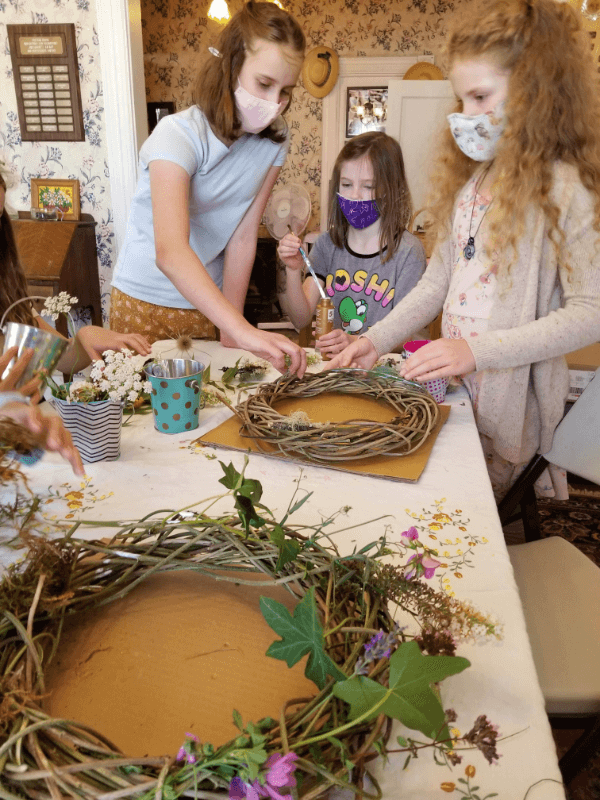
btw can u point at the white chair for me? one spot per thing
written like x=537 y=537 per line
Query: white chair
x=575 y=447
x=560 y=587
x=560 y=592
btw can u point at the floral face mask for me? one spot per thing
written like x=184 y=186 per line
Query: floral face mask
x=478 y=136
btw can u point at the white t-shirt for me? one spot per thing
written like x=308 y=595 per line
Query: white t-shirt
x=223 y=184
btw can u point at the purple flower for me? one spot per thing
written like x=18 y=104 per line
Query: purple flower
x=424 y=565
x=280 y=775
x=187 y=751
x=238 y=790
x=408 y=537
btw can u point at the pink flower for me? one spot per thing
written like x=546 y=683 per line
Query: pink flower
x=187 y=751
x=409 y=536
x=280 y=775
x=424 y=565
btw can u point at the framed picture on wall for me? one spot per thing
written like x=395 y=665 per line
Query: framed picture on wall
x=52 y=194
x=366 y=109
x=158 y=110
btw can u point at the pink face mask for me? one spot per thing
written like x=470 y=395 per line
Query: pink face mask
x=255 y=113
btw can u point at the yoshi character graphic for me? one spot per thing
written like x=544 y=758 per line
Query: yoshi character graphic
x=353 y=314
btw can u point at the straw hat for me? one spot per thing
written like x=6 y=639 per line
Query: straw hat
x=320 y=71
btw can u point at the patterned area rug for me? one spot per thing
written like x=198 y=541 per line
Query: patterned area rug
x=576 y=519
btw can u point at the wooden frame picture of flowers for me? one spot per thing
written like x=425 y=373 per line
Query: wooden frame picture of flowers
x=62 y=195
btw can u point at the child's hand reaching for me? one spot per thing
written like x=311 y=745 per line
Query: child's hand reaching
x=442 y=358
x=49 y=431
x=96 y=340
x=334 y=342
x=288 y=251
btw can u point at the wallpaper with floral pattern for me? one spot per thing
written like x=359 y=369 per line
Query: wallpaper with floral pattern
x=176 y=36
x=84 y=161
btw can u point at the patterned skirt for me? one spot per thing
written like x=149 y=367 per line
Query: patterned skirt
x=128 y=315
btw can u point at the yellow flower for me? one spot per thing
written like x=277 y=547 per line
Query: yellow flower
x=459 y=552
x=435 y=526
x=483 y=539
x=458 y=510
x=461 y=528
x=455 y=733
x=442 y=517
x=470 y=771
x=447 y=554
x=74 y=496
x=444 y=566
x=458 y=574
x=447 y=786
x=75 y=504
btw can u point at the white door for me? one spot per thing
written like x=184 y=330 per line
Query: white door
x=416 y=118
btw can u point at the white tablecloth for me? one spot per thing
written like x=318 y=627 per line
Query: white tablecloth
x=452 y=502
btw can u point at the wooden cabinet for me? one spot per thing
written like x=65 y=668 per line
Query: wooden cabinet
x=61 y=257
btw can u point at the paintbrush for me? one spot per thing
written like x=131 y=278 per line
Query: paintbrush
x=309 y=265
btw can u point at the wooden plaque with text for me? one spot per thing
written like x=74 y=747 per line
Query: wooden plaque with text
x=46 y=75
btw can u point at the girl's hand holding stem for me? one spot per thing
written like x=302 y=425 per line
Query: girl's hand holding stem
x=288 y=252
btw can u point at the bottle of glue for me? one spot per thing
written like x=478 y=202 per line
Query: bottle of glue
x=324 y=320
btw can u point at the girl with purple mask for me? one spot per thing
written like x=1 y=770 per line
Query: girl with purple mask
x=205 y=176
x=367 y=261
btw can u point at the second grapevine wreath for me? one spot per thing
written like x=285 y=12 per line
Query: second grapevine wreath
x=350 y=440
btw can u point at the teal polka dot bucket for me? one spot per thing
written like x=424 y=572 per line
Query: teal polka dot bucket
x=176 y=393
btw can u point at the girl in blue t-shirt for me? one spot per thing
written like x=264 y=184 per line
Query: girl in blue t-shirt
x=205 y=176
x=367 y=261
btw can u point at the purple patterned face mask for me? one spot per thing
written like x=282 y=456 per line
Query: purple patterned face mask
x=359 y=213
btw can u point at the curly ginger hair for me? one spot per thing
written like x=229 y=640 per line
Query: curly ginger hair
x=552 y=113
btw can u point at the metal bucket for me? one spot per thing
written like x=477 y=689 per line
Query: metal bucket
x=47 y=349
x=176 y=395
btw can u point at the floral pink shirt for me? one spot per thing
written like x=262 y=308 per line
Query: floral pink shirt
x=470 y=297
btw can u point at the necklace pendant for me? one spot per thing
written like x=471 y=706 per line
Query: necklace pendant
x=469 y=250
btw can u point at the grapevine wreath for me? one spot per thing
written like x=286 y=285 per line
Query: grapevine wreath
x=350 y=440
x=367 y=670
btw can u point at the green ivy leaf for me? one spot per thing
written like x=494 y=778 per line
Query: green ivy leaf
x=246 y=493
x=237 y=720
x=288 y=548
x=300 y=634
x=409 y=697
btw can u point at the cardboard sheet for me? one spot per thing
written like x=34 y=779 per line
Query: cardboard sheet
x=332 y=407
x=175 y=656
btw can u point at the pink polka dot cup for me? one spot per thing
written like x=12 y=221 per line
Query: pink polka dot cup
x=437 y=387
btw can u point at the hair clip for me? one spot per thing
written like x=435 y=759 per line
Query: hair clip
x=213 y=51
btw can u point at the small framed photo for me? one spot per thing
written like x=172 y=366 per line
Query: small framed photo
x=156 y=111
x=366 y=109
x=55 y=197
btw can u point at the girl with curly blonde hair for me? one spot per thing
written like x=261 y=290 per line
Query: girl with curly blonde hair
x=515 y=205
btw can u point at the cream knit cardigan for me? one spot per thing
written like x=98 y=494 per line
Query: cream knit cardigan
x=541 y=311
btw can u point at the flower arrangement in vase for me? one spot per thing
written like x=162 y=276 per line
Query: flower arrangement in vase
x=92 y=409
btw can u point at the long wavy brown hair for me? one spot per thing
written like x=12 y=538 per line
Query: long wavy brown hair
x=218 y=77
x=13 y=285
x=390 y=189
x=552 y=114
